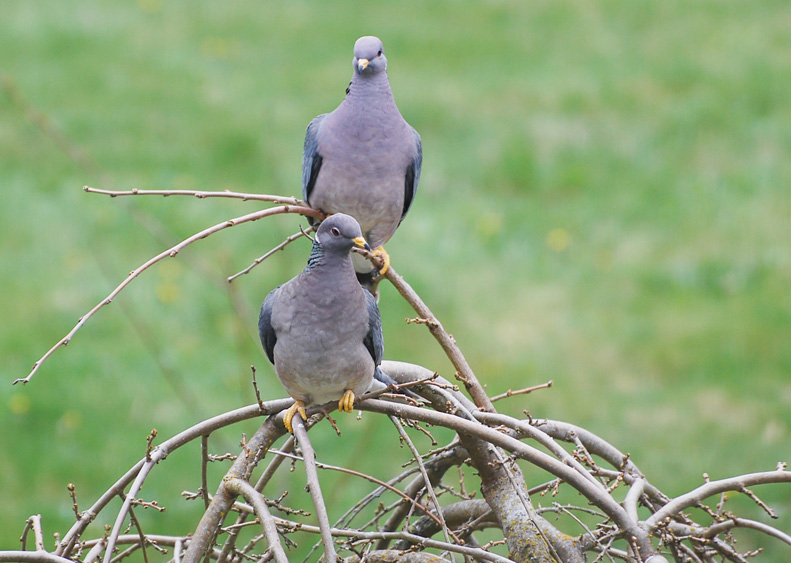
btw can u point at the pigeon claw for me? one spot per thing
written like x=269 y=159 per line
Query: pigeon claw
x=347 y=401
x=297 y=407
x=380 y=252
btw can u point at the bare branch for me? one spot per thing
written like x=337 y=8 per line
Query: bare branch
x=465 y=373
x=464 y=427
x=370 y=478
x=169 y=253
x=281 y=246
x=285 y=200
x=712 y=488
x=252 y=496
x=468 y=515
x=35 y=523
x=432 y=495
x=32 y=557
x=541 y=437
x=159 y=453
x=309 y=457
x=524 y=391
x=221 y=503
x=633 y=498
x=435 y=469
x=718 y=528
x=204 y=479
x=411 y=538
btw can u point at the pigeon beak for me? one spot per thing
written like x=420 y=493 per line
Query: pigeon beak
x=360 y=242
x=362 y=64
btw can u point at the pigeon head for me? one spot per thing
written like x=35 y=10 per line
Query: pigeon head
x=369 y=56
x=339 y=233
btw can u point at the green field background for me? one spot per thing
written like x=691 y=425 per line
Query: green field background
x=605 y=203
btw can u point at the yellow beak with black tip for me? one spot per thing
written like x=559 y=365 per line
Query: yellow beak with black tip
x=360 y=242
x=362 y=64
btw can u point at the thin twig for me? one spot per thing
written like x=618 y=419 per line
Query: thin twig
x=403 y=535
x=370 y=478
x=73 y=494
x=143 y=539
x=150 y=443
x=446 y=341
x=429 y=488
x=758 y=501
x=309 y=458
x=524 y=391
x=169 y=253
x=605 y=502
x=25 y=530
x=204 y=462
x=255 y=386
x=281 y=246
x=119 y=520
x=285 y=200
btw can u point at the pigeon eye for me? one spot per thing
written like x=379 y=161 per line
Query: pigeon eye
x=335 y=232
x=379 y=54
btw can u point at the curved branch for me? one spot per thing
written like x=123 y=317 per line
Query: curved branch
x=712 y=488
x=464 y=427
x=270 y=470
x=633 y=498
x=159 y=453
x=169 y=253
x=414 y=539
x=598 y=446
x=729 y=524
x=391 y=556
x=203 y=537
x=527 y=533
x=541 y=437
x=435 y=469
x=245 y=489
x=476 y=513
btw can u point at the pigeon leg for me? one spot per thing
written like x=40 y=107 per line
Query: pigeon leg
x=347 y=401
x=297 y=407
x=382 y=253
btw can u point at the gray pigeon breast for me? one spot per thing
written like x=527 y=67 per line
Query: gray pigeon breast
x=321 y=328
x=365 y=156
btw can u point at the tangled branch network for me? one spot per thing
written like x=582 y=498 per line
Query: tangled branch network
x=466 y=499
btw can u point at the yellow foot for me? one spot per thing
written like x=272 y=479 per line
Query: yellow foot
x=382 y=253
x=347 y=401
x=297 y=407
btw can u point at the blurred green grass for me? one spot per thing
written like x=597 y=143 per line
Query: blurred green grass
x=604 y=203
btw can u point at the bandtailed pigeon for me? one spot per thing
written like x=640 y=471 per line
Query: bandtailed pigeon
x=363 y=159
x=322 y=329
